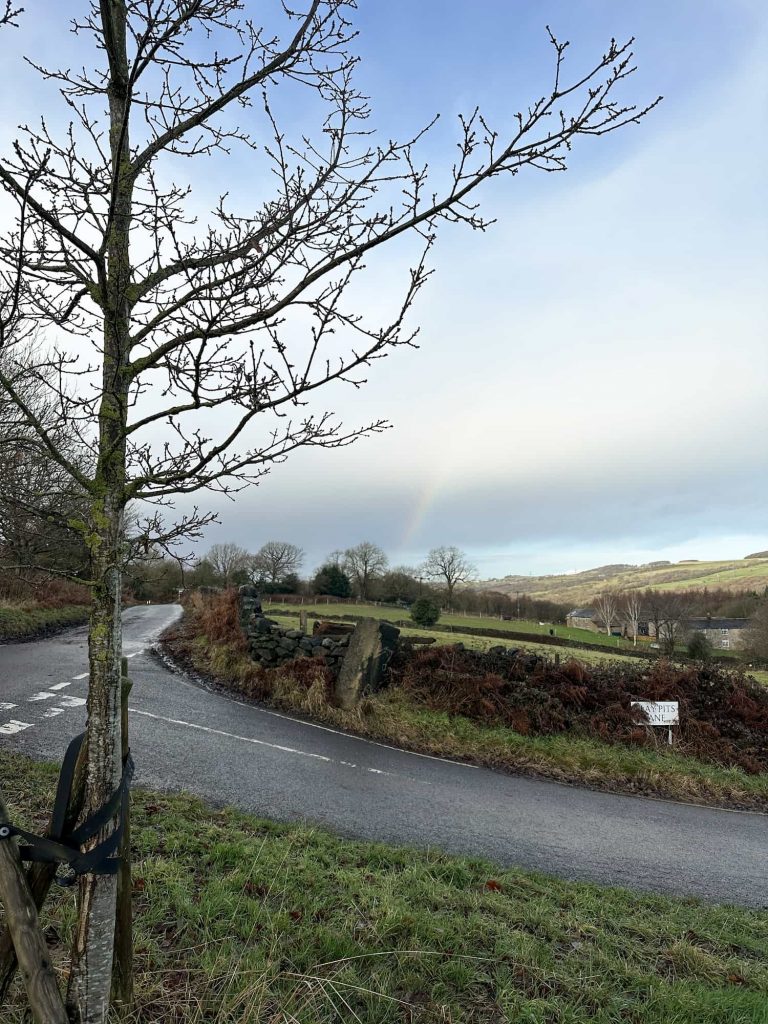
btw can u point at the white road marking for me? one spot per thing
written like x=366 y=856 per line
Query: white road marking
x=83 y=675
x=13 y=727
x=42 y=695
x=52 y=712
x=71 y=702
x=250 y=739
x=60 y=686
x=6 y=705
x=134 y=655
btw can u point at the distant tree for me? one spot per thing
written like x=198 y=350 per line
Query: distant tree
x=275 y=561
x=39 y=501
x=202 y=574
x=630 y=609
x=228 y=561
x=154 y=579
x=655 y=605
x=673 y=626
x=399 y=584
x=425 y=611
x=699 y=647
x=607 y=609
x=451 y=566
x=755 y=643
x=332 y=580
x=363 y=564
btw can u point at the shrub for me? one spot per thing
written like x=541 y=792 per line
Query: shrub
x=425 y=612
x=699 y=647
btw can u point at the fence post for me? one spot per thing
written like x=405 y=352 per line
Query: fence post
x=28 y=940
x=122 y=962
x=39 y=879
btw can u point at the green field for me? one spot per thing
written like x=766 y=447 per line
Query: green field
x=391 y=614
x=242 y=921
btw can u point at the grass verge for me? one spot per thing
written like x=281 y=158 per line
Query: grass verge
x=30 y=622
x=241 y=921
x=392 y=717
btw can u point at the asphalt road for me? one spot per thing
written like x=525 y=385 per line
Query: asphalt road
x=186 y=738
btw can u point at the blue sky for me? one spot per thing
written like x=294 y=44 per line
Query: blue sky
x=591 y=378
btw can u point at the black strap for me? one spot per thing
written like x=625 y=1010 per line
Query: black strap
x=64 y=849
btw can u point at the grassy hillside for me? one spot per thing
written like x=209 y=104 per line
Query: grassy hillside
x=579 y=588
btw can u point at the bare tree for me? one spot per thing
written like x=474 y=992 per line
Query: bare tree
x=755 y=642
x=607 y=607
x=450 y=565
x=158 y=323
x=631 y=608
x=228 y=559
x=275 y=560
x=673 y=626
x=363 y=564
x=9 y=13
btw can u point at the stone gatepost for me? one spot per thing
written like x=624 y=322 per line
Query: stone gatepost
x=367 y=657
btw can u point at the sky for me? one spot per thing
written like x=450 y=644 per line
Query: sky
x=591 y=375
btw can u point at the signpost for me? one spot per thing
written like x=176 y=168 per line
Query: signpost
x=664 y=713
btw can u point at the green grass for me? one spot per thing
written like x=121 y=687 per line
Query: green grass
x=458 y=622
x=475 y=643
x=241 y=921
x=19 y=622
x=394 y=717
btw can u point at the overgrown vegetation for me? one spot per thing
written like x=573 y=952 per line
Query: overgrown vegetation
x=44 y=609
x=425 y=713
x=723 y=713
x=241 y=921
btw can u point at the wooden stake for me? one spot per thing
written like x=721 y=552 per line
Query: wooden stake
x=40 y=878
x=21 y=917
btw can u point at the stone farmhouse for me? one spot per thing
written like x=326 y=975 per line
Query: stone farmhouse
x=582 y=618
x=723 y=634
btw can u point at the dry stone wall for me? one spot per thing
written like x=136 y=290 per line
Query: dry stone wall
x=272 y=645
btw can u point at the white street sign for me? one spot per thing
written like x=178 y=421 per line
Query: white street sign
x=659 y=712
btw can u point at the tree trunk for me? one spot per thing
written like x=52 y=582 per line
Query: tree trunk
x=92 y=948
x=91 y=974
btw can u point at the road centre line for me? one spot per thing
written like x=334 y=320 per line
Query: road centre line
x=250 y=739
x=83 y=675
x=60 y=686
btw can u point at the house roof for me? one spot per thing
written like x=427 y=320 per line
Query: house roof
x=711 y=623
x=582 y=613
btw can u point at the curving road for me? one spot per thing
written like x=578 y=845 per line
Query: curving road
x=184 y=737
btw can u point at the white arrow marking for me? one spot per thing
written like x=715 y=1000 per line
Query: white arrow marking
x=52 y=712
x=42 y=695
x=6 y=705
x=71 y=702
x=13 y=726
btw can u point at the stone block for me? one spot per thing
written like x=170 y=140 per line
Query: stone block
x=365 y=661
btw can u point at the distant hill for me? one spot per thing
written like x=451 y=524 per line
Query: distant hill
x=750 y=573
